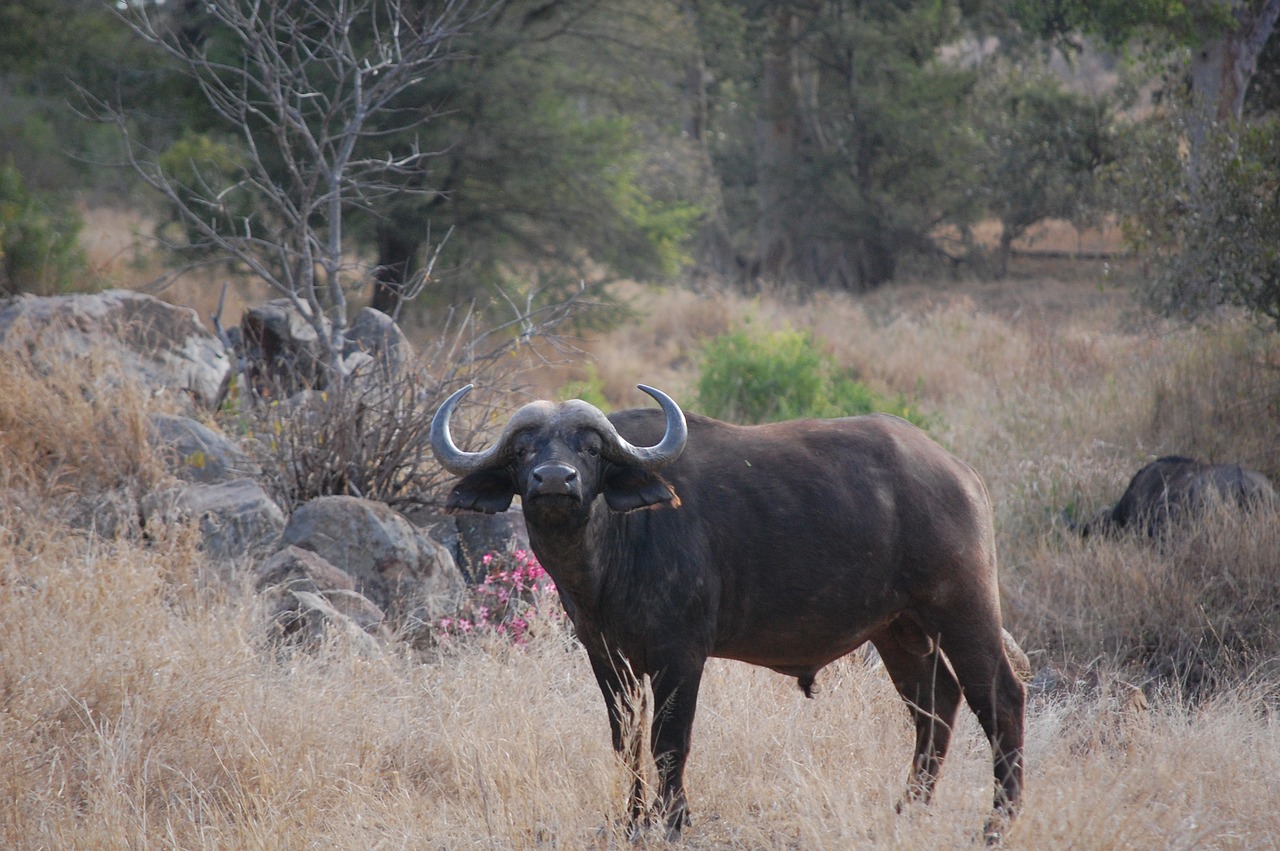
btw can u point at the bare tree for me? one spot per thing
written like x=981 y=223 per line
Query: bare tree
x=311 y=90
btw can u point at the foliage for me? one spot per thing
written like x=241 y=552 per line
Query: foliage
x=50 y=50
x=206 y=175
x=545 y=164
x=310 y=90
x=1218 y=245
x=749 y=377
x=1184 y=21
x=39 y=241
x=1045 y=149
x=878 y=154
x=515 y=595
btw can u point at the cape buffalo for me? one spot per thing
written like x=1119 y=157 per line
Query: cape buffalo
x=785 y=545
x=1172 y=489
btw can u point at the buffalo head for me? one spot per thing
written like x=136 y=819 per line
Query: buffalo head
x=558 y=457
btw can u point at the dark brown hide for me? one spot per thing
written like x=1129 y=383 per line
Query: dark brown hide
x=792 y=545
x=1172 y=489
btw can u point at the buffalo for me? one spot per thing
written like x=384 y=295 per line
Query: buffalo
x=675 y=538
x=1173 y=489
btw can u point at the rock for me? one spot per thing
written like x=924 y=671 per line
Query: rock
x=162 y=344
x=402 y=571
x=285 y=355
x=310 y=599
x=196 y=453
x=237 y=519
x=375 y=334
x=282 y=350
x=469 y=537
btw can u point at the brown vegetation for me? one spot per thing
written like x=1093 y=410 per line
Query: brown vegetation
x=138 y=707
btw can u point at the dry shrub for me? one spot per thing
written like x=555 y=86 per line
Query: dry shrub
x=1197 y=609
x=73 y=435
x=1220 y=398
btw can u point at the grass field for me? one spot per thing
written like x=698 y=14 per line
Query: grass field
x=140 y=708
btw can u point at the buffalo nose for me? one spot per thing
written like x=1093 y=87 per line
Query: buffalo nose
x=554 y=478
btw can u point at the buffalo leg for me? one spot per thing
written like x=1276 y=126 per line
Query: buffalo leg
x=625 y=699
x=996 y=695
x=675 y=698
x=932 y=695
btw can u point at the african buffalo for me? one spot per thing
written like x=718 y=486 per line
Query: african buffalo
x=786 y=545
x=1172 y=489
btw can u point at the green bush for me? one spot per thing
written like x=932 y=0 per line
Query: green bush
x=39 y=241
x=1212 y=240
x=755 y=378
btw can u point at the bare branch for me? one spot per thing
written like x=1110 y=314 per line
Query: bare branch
x=305 y=87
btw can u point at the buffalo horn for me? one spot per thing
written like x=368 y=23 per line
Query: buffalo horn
x=667 y=450
x=462 y=463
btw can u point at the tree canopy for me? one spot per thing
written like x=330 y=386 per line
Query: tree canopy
x=553 y=144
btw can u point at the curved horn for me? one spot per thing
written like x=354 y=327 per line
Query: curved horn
x=462 y=463
x=451 y=458
x=666 y=450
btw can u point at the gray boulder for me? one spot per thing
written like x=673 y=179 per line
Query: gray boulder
x=470 y=537
x=285 y=355
x=196 y=453
x=282 y=350
x=397 y=567
x=309 y=600
x=237 y=519
x=375 y=334
x=162 y=344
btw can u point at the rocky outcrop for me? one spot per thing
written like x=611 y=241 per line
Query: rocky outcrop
x=163 y=345
x=237 y=519
x=397 y=567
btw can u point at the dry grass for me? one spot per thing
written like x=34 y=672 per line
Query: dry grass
x=139 y=707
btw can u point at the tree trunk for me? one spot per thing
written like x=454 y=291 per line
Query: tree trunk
x=777 y=143
x=1221 y=70
x=713 y=249
x=397 y=264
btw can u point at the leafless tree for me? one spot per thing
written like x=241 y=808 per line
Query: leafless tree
x=315 y=92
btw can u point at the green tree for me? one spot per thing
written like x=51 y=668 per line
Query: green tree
x=1220 y=245
x=846 y=146
x=527 y=157
x=39 y=248
x=1217 y=44
x=49 y=49
x=548 y=136
x=1045 y=150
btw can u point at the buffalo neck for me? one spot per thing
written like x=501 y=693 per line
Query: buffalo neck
x=570 y=555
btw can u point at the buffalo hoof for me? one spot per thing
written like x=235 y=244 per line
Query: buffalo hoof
x=993 y=830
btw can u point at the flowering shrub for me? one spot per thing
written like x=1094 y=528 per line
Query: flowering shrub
x=516 y=592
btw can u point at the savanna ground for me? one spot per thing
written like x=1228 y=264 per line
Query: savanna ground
x=140 y=708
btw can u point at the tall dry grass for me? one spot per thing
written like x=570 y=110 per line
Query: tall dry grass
x=141 y=708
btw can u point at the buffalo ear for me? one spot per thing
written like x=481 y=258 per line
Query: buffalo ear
x=488 y=491
x=630 y=488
